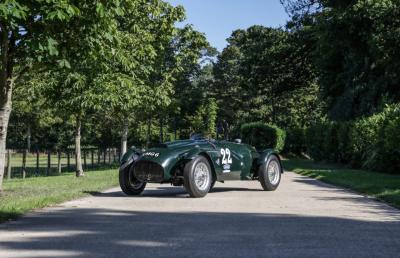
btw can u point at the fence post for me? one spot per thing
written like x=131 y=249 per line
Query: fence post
x=24 y=163
x=48 y=163
x=8 y=164
x=37 y=162
x=68 y=161
x=92 y=157
x=84 y=159
x=59 y=162
x=98 y=157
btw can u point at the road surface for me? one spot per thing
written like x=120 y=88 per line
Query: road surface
x=303 y=218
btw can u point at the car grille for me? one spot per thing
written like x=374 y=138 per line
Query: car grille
x=149 y=171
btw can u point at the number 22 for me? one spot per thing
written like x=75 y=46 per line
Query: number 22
x=226 y=156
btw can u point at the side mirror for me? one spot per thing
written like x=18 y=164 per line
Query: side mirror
x=238 y=140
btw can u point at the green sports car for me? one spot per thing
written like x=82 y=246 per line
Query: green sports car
x=197 y=164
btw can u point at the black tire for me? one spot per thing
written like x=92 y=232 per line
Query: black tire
x=129 y=184
x=270 y=183
x=194 y=189
x=212 y=184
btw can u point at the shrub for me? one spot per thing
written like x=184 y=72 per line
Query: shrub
x=371 y=142
x=314 y=141
x=263 y=136
x=295 y=141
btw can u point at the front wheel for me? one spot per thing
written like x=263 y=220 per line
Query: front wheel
x=129 y=183
x=270 y=174
x=197 y=177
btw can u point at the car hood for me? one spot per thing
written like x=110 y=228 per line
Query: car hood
x=166 y=153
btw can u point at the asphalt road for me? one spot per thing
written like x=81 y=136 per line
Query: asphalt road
x=303 y=218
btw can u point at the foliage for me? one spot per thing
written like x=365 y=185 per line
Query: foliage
x=271 y=70
x=205 y=119
x=263 y=136
x=295 y=142
x=369 y=142
x=212 y=110
x=355 y=55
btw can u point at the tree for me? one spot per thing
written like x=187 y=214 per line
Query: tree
x=272 y=70
x=355 y=54
x=142 y=72
x=25 y=37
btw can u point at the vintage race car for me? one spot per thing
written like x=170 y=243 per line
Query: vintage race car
x=197 y=164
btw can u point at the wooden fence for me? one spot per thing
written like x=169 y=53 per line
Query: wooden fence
x=21 y=163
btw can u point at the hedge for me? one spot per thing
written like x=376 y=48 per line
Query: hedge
x=263 y=136
x=295 y=141
x=370 y=143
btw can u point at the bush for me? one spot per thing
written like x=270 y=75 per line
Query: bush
x=315 y=140
x=295 y=141
x=263 y=136
x=371 y=142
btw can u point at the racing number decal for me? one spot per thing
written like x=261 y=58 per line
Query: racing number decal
x=226 y=156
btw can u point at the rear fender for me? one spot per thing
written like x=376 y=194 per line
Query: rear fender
x=265 y=155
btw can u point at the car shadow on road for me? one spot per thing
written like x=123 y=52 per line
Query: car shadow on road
x=95 y=232
x=169 y=192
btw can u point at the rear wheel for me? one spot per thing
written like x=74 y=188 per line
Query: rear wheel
x=129 y=183
x=270 y=174
x=197 y=177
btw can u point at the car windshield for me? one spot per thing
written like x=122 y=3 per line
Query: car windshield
x=197 y=137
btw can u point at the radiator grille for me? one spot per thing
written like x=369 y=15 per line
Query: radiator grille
x=149 y=171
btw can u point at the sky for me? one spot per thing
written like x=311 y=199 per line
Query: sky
x=218 y=18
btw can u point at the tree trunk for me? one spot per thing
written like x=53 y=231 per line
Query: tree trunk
x=5 y=110
x=7 y=47
x=59 y=162
x=98 y=157
x=68 y=161
x=24 y=163
x=148 y=133
x=161 y=130
x=37 y=162
x=28 y=138
x=78 y=159
x=124 y=138
x=175 y=122
x=48 y=163
x=92 y=158
x=84 y=160
x=9 y=164
x=109 y=156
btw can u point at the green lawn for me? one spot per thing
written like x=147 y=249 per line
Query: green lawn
x=383 y=186
x=23 y=195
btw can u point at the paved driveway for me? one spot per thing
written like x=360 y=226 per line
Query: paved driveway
x=303 y=218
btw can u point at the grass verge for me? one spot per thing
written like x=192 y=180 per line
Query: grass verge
x=23 y=195
x=385 y=187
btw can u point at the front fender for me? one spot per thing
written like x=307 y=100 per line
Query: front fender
x=264 y=156
x=188 y=156
x=191 y=154
x=129 y=157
